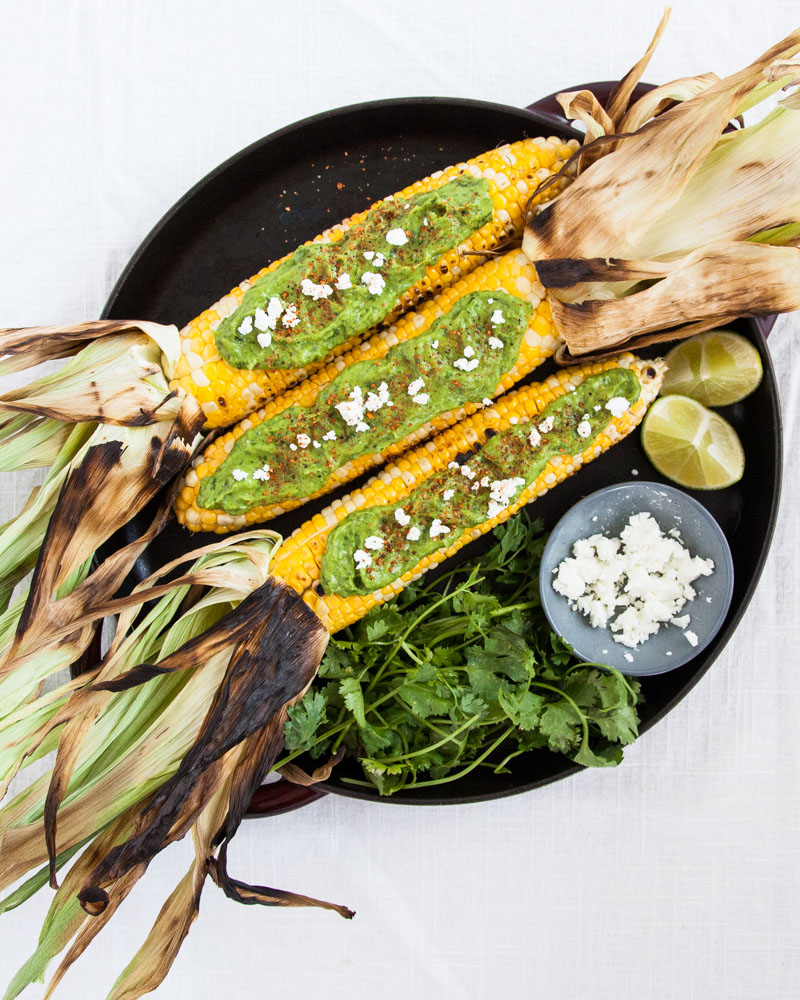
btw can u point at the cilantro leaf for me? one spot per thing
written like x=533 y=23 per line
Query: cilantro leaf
x=523 y=710
x=337 y=662
x=561 y=724
x=303 y=721
x=350 y=690
x=423 y=700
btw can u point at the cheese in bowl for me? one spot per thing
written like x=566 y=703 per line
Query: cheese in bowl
x=637 y=576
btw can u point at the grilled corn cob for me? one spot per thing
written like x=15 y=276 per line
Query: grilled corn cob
x=425 y=372
x=227 y=392
x=358 y=552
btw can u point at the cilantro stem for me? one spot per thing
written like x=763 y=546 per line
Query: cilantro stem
x=470 y=767
x=434 y=746
x=509 y=608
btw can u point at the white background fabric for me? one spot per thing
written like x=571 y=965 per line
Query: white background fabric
x=674 y=876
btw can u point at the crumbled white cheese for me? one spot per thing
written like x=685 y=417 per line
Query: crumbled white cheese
x=239 y=475
x=617 y=406
x=546 y=425
x=691 y=637
x=534 y=438
x=315 y=444
x=584 y=429
x=369 y=254
x=469 y=351
x=303 y=440
x=396 y=237
x=246 y=326
x=343 y=282
x=448 y=494
x=379 y=260
x=413 y=534
x=264 y=339
x=497 y=317
x=373 y=281
x=645 y=573
x=292 y=447
x=416 y=386
x=453 y=465
x=262 y=473
x=260 y=320
x=681 y=622
x=401 y=517
x=422 y=398
x=309 y=287
x=502 y=492
x=290 y=317
x=329 y=436
x=362 y=559
x=437 y=528
x=495 y=343
x=373 y=542
x=486 y=401
x=466 y=471
x=434 y=343
x=376 y=400
x=352 y=409
x=466 y=364
x=268 y=320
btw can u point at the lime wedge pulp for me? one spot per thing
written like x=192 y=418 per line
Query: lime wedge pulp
x=715 y=368
x=691 y=445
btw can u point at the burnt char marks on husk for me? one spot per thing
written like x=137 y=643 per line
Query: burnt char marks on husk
x=278 y=644
x=563 y=272
x=86 y=480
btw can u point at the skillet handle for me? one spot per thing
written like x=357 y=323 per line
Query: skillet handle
x=281 y=796
x=549 y=109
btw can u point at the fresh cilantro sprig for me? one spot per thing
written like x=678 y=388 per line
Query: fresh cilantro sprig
x=459 y=673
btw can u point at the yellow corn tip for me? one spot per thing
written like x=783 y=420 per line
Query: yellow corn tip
x=227 y=394
x=298 y=561
x=512 y=273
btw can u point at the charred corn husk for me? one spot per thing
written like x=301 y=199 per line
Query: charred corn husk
x=227 y=390
x=362 y=549
x=674 y=198
x=427 y=371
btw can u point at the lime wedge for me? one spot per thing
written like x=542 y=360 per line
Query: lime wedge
x=715 y=368
x=691 y=445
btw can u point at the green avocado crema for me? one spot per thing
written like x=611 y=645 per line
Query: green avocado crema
x=483 y=333
x=352 y=284
x=371 y=548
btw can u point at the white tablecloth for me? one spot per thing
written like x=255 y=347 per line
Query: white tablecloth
x=673 y=876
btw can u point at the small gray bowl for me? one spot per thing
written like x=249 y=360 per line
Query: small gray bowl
x=607 y=512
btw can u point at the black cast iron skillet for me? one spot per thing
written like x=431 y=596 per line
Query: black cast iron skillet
x=286 y=188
